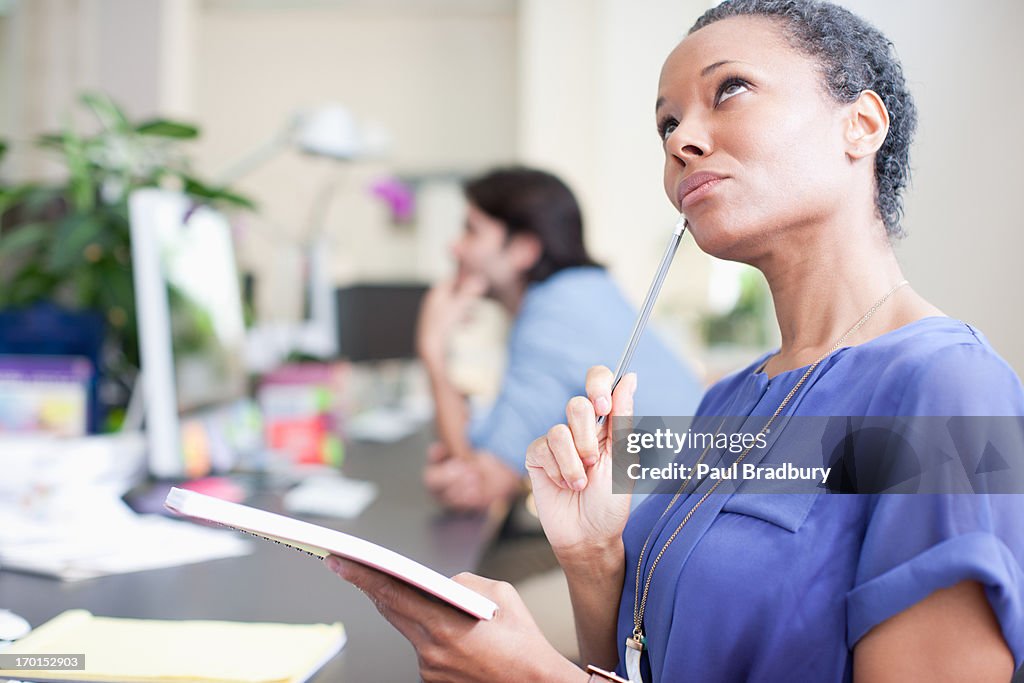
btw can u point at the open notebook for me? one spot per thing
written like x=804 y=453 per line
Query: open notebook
x=321 y=542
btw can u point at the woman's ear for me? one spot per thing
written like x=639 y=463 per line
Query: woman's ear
x=867 y=124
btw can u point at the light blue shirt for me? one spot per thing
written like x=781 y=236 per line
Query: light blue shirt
x=575 y=319
x=781 y=587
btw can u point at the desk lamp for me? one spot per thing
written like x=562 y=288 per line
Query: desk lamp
x=332 y=132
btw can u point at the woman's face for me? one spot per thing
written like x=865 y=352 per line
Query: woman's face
x=754 y=146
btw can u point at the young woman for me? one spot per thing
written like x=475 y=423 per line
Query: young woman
x=786 y=126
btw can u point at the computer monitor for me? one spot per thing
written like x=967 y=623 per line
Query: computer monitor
x=191 y=328
x=378 y=321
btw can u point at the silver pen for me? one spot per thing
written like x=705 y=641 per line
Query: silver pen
x=645 y=310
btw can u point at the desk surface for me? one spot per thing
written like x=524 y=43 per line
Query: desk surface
x=278 y=584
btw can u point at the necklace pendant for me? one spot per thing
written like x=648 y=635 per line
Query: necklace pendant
x=634 y=649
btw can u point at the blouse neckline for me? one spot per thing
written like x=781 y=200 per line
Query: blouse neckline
x=890 y=336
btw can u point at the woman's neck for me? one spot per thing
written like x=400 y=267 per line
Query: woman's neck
x=825 y=284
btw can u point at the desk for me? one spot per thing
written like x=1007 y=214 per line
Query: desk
x=279 y=584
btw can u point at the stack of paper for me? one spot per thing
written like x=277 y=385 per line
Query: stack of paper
x=148 y=651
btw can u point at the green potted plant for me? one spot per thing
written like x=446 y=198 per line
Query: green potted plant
x=67 y=243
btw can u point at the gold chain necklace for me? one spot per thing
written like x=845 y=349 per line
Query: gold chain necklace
x=638 y=640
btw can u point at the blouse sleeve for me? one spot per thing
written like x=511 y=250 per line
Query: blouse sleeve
x=917 y=544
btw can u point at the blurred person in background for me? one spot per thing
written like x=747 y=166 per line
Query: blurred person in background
x=523 y=247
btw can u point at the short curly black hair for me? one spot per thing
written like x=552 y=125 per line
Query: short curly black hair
x=854 y=56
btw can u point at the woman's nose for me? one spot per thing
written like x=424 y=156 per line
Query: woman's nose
x=688 y=141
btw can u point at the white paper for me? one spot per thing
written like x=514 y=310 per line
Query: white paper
x=146 y=542
x=331 y=496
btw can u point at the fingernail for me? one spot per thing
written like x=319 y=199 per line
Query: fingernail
x=579 y=484
x=563 y=484
x=602 y=405
x=332 y=563
x=588 y=461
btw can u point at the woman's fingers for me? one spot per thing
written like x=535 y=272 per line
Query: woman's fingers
x=563 y=448
x=400 y=604
x=539 y=457
x=501 y=592
x=599 y=388
x=622 y=400
x=567 y=450
x=582 y=420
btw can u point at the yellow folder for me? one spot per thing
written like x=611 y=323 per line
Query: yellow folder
x=153 y=651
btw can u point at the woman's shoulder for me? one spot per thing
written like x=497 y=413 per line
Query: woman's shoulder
x=932 y=366
x=937 y=366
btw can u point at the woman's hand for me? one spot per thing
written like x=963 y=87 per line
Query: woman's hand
x=454 y=647
x=571 y=469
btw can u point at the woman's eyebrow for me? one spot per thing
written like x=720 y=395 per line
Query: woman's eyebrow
x=711 y=67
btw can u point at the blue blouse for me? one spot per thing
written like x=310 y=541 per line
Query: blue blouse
x=780 y=587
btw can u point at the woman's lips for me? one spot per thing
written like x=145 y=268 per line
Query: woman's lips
x=696 y=187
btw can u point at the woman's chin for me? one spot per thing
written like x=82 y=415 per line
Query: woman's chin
x=713 y=238
x=729 y=240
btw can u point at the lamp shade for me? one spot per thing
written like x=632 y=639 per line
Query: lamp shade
x=329 y=131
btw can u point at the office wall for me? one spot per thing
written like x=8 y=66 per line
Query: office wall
x=53 y=50
x=7 y=51
x=440 y=77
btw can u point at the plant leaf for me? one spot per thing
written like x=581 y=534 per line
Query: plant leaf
x=27 y=236
x=53 y=141
x=117 y=289
x=109 y=114
x=216 y=194
x=168 y=129
x=75 y=233
x=31 y=285
x=80 y=180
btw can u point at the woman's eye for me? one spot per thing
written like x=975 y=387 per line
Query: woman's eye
x=666 y=127
x=731 y=87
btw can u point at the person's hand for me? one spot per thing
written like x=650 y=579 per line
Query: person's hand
x=571 y=469
x=454 y=647
x=468 y=485
x=444 y=307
